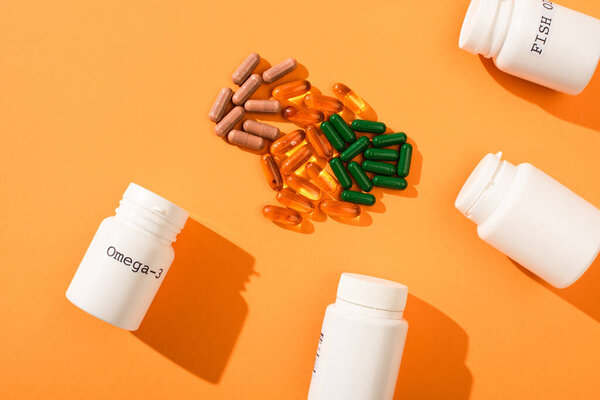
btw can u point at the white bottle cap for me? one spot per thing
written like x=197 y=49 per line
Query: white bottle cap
x=372 y=292
x=477 y=33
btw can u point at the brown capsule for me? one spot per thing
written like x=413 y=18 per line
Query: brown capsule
x=228 y=122
x=245 y=69
x=295 y=161
x=327 y=104
x=247 y=89
x=287 y=142
x=220 y=105
x=293 y=200
x=271 y=172
x=260 y=129
x=263 y=106
x=245 y=139
x=303 y=115
x=282 y=215
x=303 y=186
x=340 y=209
x=278 y=71
x=319 y=142
x=290 y=90
x=322 y=178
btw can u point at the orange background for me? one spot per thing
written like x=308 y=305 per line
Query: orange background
x=94 y=95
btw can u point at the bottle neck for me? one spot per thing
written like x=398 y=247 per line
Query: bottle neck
x=149 y=220
x=346 y=305
x=485 y=26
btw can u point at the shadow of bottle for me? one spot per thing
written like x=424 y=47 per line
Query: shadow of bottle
x=198 y=313
x=433 y=363
x=583 y=109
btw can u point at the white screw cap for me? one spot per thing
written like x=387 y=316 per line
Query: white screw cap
x=372 y=292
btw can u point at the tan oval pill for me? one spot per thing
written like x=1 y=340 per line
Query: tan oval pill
x=279 y=70
x=263 y=106
x=245 y=139
x=228 y=122
x=220 y=105
x=245 y=69
x=246 y=90
x=259 y=129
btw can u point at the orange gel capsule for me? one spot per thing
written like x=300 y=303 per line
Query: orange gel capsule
x=290 y=90
x=271 y=172
x=340 y=209
x=296 y=160
x=319 y=142
x=327 y=104
x=293 y=200
x=350 y=99
x=303 y=115
x=322 y=178
x=282 y=215
x=303 y=187
x=287 y=142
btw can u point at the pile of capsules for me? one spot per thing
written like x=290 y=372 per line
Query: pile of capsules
x=295 y=164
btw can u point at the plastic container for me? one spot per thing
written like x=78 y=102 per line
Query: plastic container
x=532 y=218
x=128 y=259
x=535 y=40
x=361 y=342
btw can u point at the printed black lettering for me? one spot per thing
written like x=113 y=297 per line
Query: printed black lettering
x=544 y=29
x=127 y=261
x=118 y=256
x=541 y=39
x=546 y=21
x=145 y=269
x=536 y=49
x=108 y=251
x=548 y=5
x=136 y=266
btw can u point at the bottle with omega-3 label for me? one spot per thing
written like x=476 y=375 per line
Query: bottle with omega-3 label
x=128 y=259
x=536 y=40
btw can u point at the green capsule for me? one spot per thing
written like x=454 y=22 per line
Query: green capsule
x=340 y=173
x=358 y=197
x=392 y=182
x=360 y=177
x=379 y=167
x=381 y=154
x=342 y=128
x=362 y=125
x=404 y=160
x=355 y=149
x=332 y=135
x=389 y=140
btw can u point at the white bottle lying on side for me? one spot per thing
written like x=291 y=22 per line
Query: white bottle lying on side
x=532 y=218
x=361 y=342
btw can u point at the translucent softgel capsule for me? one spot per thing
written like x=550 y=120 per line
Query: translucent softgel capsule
x=271 y=171
x=295 y=161
x=287 y=142
x=350 y=99
x=322 y=178
x=291 y=89
x=327 y=104
x=303 y=186
x=319 y=142
x=303 y=115
x=293 y=200
x=340 y=209
x=282 y=215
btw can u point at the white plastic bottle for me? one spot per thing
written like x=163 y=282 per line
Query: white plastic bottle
x=535 y=40
x=128 y=259
x=361 y=342
x=532 y=218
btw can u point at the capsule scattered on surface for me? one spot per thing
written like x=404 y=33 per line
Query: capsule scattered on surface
x=381 y=154
x=360 y=177
x=293 y=200
x=340 y=209
x=379 y=167
x=340 y=172
x=245 y=139
x=362 y=125
x=262 y=106
x=332 y=136
x=389 y=139
x=303 y=115
x=404 y=160
x=358 y=197
x=271 y=171
x=296 y=160
x=303 y=186
x=342 y=128
x=355 y=149
x=260 y=129
x=247 y=89
x=228 y=122
x=291 y=89
x=322 y=178
x=392 y=182
x=319 y=142
x=329 y=105
x=217 y=111
x=350 y=99
x=245 y=69
x=280 y=70
x=287 y=142
x=282 y=215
